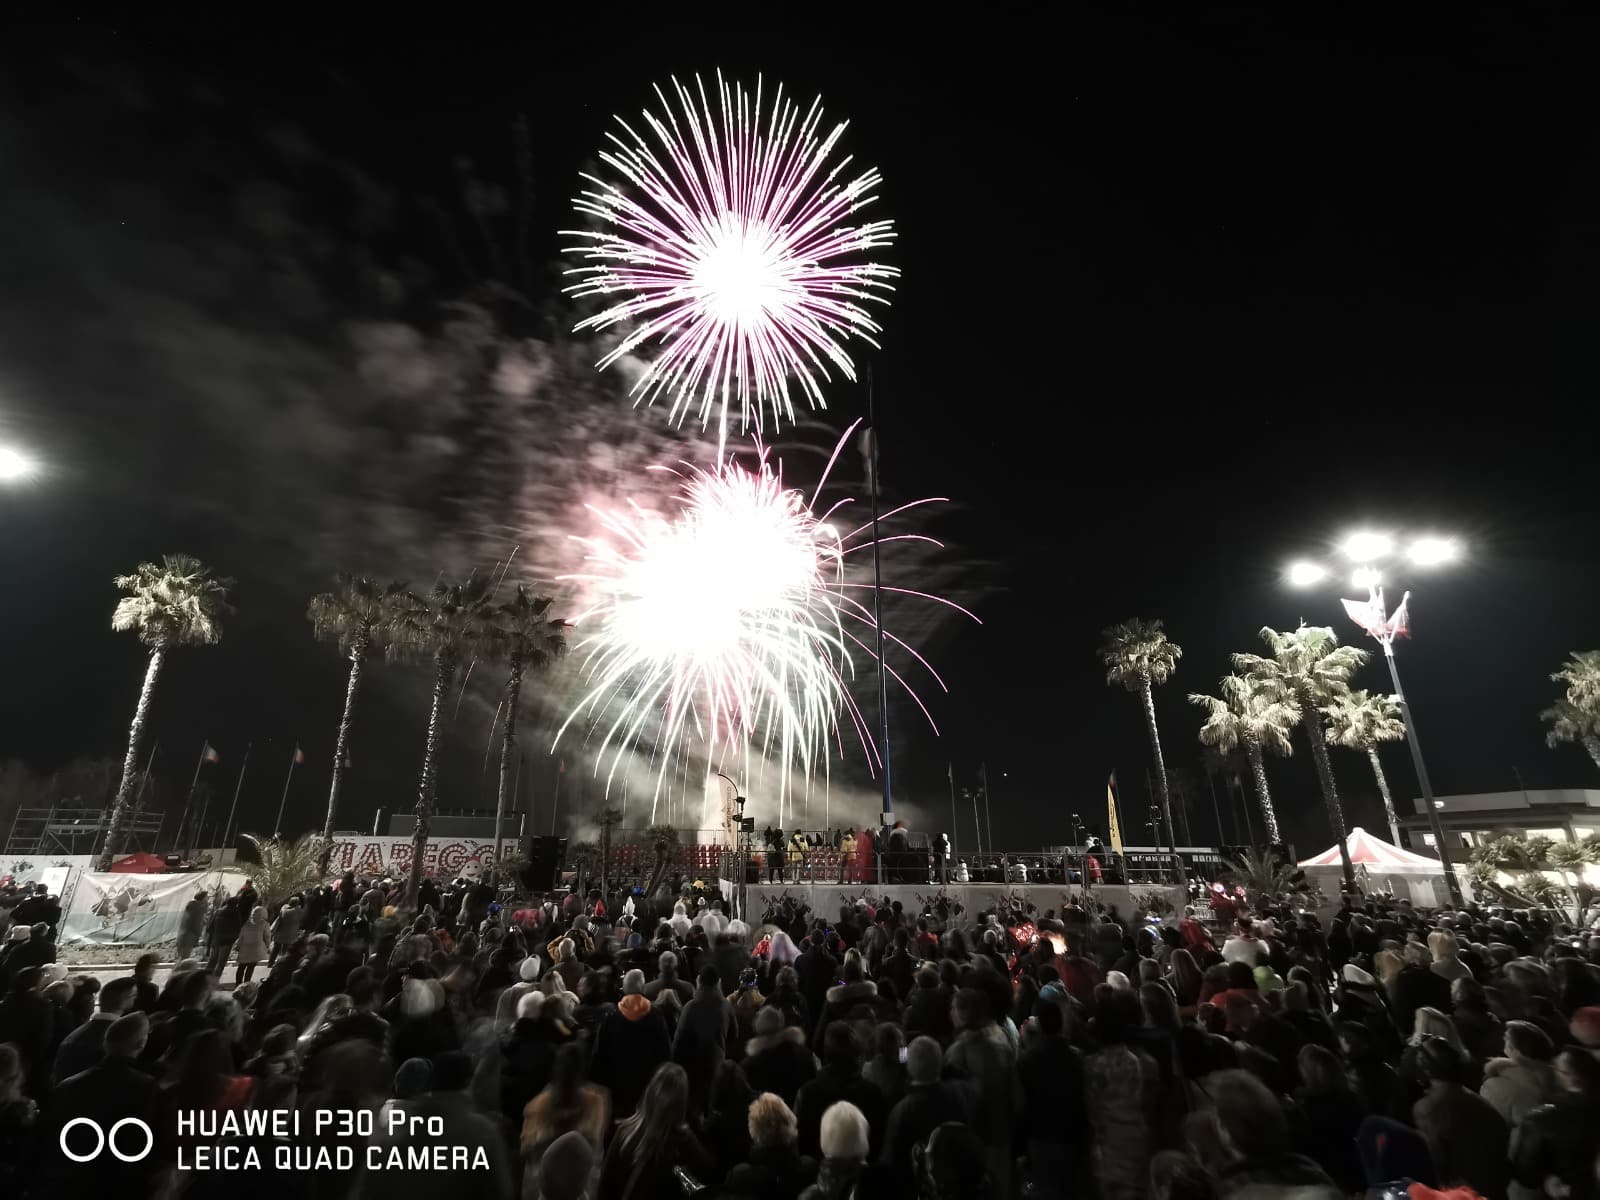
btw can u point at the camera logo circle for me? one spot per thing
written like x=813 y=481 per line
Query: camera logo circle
x=108 y=1140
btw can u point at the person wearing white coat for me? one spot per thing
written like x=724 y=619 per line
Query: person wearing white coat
x=252 y=945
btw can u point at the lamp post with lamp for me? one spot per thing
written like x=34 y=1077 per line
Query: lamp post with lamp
x=1367 y=550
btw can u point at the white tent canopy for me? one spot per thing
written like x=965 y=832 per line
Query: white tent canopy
x=1381 y=857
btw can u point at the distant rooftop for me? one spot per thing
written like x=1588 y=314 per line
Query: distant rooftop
x=1568 y=798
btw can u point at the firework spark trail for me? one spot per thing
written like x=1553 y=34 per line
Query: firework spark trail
x=729 y=621
x=730 y=247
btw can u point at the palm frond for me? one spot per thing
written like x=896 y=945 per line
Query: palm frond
x=176 y=602
x=1136 y=652
x=285 y=866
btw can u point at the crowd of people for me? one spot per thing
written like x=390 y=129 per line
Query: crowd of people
x=585 y=1050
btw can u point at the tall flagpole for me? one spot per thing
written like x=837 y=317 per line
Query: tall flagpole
x=988 y=825
x=188 y=800
x=950 y=773
x=294 y=759
x=877 y=621
x=234 y=807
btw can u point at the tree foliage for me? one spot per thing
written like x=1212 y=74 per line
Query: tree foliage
x=285 y=866
x=1137 y=653
x=176 y=602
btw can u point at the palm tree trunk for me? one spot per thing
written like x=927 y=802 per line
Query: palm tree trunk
x=352 y=689
x=122 y=805
x=1330 y=793
x=1258 y=772
x=1592 y=745
x=605 y=864
x=508 y=751
x=444 y=672
x=1383 y=790
x=1161 y=778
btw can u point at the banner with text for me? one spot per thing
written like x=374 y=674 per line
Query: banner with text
x=136 y=910
x=444 y=858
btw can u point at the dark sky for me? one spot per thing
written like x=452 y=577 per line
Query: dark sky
x=1183 y=297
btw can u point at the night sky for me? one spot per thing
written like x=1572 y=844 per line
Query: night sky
x=1183 y=298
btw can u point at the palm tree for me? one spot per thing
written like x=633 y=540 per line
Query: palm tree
x=1139 y=657
x=286 y=865
x=176 y=602
x=1263 y=874
x=608 y=820
x=1310 y=667
x=357 y=615
x=447 y=629
x=530 y=641
x=1360 y=720
x=1576 y=716
x=1581 y=674
x=1256 y=718
x=663 y=840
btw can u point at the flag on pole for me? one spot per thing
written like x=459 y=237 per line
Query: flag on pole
x=210 y=754
x=299 y=756
x=1112 y=824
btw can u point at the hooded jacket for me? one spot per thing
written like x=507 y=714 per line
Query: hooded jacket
x=780 y=1063
x=629 y=1045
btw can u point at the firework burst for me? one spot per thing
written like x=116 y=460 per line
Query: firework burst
x=732 y=623
x=728 y=244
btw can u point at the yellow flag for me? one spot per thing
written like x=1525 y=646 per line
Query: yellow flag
x=1111 y=813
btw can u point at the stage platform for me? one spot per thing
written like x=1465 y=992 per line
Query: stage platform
x=825 y=899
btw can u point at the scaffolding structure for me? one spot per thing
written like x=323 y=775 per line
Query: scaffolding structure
x=75 y=829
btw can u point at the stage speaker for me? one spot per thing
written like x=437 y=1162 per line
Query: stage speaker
x=546 y=857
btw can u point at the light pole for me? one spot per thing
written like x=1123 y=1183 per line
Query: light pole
x=1367 y=550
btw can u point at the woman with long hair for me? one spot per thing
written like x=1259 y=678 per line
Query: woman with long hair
x=1327 y=1116
x=653 y=1145
x=1184 y=974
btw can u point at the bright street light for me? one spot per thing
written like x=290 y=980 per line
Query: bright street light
x=13 y=465
x=1431 y=551
x=1304 y=574
x=1367 y=546
x=1365 y=577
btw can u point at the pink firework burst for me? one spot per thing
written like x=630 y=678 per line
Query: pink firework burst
x=728 y=244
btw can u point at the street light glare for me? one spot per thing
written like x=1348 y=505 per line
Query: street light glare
x=13 y=465
x=1367 y=546
x=1366 y=577
x=1304 y=574
x=1431 y=551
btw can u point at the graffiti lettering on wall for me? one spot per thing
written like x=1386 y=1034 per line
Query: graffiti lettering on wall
x=444 y=857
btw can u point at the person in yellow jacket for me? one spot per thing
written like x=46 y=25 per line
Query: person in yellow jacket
x=798 y=848
x=847 y=854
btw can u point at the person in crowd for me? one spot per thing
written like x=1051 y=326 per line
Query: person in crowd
x=18 y=1116
x=191 y=927
x=631 y=1042
x=253 y=935
x=839 y=1080
x=667 y=980
x=1054 y=1116
x=706 y=1032
x=82 y=1048
x=1525 y=1078
x=776 y=1059
x=144 y=970
x=774 y=1168
x=844 y=1135
x=566 y=1106
x=649 y=1149
x=1467 y=1139
x=286 y=927
x=28 y=1023
x=1556 y=1146
x=1327 y=1117
x=1253 y=1131
x=928 y=1103
x=112 y=1090
x=447 y=1110
x=986 y=1058
x=222 y=930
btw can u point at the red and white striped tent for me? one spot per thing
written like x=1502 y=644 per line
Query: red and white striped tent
x=1376 y=854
